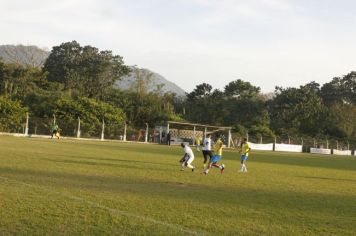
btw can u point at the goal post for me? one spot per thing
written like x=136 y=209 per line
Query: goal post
x=190 y=132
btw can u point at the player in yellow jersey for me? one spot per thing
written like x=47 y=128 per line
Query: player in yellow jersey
x=216 y=157
x=245 y=149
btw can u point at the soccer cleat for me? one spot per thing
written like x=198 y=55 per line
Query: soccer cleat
x=222 y=169
x=193 y=169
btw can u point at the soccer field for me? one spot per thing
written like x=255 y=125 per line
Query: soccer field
x=50 y=187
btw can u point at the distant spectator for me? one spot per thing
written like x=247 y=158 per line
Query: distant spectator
x=140 y=135
x=55 y=131
x=169 y=138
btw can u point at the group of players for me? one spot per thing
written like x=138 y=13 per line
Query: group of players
x=213 y=153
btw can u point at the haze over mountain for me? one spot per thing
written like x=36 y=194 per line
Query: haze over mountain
x=153 y=80
x=25 y=55
x=35 y=56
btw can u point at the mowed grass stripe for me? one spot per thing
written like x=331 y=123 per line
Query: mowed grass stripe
x=49 y=193
x=282 y=193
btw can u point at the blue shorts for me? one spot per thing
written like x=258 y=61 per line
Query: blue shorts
x=215 y=158
x=244 y=158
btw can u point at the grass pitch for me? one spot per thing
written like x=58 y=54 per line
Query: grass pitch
x=51 y=187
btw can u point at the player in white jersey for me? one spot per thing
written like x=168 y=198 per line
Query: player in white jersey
x=207 y=149
x=188 y=157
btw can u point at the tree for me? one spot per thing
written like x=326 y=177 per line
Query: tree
x=340 y=90
x=12 y=115
x=297 y=110
x=85 y=69
x=98 y=71
x=200 y=91
x=143 y=80
x=241 y=88
x=17 y=80
x=63 y=65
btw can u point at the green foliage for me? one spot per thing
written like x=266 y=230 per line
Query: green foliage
x=84 y=69
x=17 y=80
x=341 y=120
x=340 y=90
x=239 y=106
x=77 y=81
x=241 y=88
x=151 y=108
x=12 y=115
x=296 y=110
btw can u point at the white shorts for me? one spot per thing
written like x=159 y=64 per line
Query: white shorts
x=190 y=160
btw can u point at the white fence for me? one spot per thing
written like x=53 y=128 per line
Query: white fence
x=262 y=147
x=320 y=151
x=343 y=153
x=281 y=147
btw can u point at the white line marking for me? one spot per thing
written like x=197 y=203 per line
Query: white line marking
x=111 y=210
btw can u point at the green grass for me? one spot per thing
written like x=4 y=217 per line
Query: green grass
x=50 y=187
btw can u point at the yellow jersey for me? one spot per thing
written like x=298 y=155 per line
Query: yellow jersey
x=218 y=147
x=245 y=149
x=197 y=141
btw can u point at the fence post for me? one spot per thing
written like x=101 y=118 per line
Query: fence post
x=314 y=142
x=146 y=136
x=348 y=145
x=102 y=131
x=261 y=139
x=229 y=139
x=288 y=139
x=78 y=131
x=205 y=130
x=26 y=128
x=337 y=145
x=125 y=129
x=194 y=136
x=327 y=144
x=274 y=144
x=247 y=136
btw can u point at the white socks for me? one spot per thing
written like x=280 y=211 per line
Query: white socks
x=243 y=168
x=190 y=166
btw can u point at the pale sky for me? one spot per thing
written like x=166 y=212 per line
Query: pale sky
x=266 y=42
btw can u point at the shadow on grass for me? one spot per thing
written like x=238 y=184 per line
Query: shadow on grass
x=306 y=161
x=124 y=164
x=103 y=161
x=325 y=178
x=329 y=205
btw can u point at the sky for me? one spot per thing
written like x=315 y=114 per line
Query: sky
x=268 y=43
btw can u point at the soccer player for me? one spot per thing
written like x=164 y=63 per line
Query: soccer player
x=197 y=143
x=245 y=149
x=188 y=157
x=55 y=130
x=216 y=157
x=207 y=149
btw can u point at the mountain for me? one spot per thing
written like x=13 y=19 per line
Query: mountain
x=25 y=55
x=153 y=82
x=35 y=56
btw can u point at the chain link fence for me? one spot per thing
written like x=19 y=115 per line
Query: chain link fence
x=76 y=128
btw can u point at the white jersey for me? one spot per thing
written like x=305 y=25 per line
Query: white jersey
x=188 y=151
x=207 y=144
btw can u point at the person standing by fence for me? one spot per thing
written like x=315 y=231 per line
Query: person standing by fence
x=169 y=138
x=55 y=131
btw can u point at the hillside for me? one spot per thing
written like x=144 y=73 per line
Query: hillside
x=154 y=81
x=35 y=56
x=25 y=55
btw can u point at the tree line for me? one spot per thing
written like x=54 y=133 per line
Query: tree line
x=78 y=81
